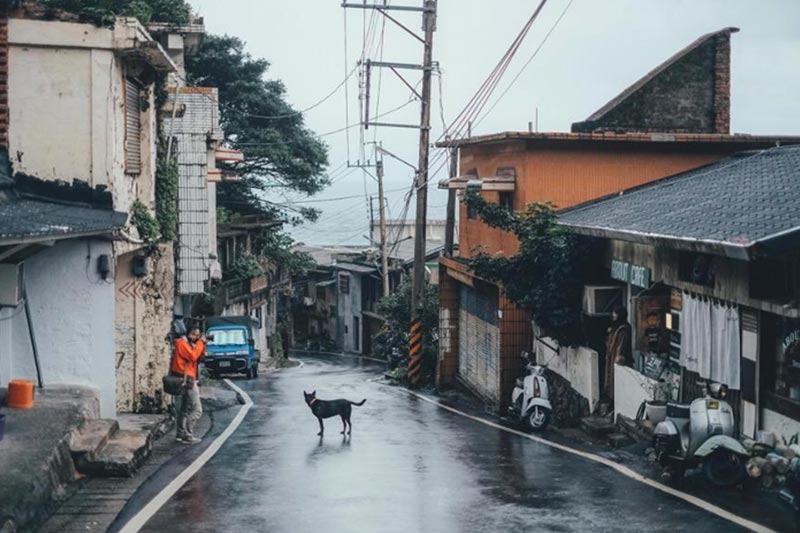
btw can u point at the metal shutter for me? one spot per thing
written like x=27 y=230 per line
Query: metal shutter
x=133 y=128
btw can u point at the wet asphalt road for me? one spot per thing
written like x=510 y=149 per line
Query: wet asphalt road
x=408 y=466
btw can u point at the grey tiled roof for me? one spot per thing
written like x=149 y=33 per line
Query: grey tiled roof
x=24 y=219
x=738 y=202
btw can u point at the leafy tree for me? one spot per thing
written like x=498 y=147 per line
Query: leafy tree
x=280 y=153
x=391 y=343
x=545 y=277
x=104 y=11
x=276 y=246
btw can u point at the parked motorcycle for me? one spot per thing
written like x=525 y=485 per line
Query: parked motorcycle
x=530 y=402
x=701 y=434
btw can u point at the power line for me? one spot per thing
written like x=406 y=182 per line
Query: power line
x=528 y=62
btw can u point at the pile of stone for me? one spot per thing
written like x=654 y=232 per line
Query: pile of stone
x=774 y=461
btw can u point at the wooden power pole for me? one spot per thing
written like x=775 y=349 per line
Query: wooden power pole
x=382 y=216
x=421 y=186
x=428 y=11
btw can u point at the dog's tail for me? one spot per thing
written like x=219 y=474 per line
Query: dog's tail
x=359 y=404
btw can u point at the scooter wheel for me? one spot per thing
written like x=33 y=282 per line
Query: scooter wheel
x=724 y=468
x=538 y=418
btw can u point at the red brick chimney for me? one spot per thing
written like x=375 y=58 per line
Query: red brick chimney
x=722 y=82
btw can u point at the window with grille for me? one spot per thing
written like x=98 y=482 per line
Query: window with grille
x=344 y=283
x=133 y=127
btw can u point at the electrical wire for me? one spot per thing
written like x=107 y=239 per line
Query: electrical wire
x=528 y=62
x=476 y=104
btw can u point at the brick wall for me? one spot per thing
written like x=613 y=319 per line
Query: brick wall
x=515 y=336
x=688 y=93
x=722 y=84
x=447 y=368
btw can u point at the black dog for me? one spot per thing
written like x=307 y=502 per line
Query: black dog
x=328 y=408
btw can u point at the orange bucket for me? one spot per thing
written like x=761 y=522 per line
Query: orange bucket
x=20 y=394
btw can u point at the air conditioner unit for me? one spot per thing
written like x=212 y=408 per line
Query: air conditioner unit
x=10 y=284
x=600 y=300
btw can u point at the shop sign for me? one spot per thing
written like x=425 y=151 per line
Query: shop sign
x=634 y=274
x=791 y=339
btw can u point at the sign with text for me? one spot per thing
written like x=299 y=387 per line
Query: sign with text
x=634 y=274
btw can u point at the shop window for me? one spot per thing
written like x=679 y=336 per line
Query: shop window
x=697 y=268
x=344 y=283
x=780 y=364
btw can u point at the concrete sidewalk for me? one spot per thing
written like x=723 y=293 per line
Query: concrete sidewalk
x=36 y=468
x=96 y=503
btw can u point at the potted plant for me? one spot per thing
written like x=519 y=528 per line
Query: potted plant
x=661 y=392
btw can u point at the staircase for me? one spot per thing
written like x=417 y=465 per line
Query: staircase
x=101 y=448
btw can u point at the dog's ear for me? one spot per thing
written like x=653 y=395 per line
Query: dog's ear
x=313 y=393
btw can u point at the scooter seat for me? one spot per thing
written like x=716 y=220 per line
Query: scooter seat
x=677 y=410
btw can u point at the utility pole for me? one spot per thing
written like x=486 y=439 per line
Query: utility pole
x=428 y=11
x=371 y=223
x=382 y=215
x=428 y=26
x=449 y=228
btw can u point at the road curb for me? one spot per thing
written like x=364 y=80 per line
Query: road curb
x=152 y=507
x=340 y=354
x=627 y=472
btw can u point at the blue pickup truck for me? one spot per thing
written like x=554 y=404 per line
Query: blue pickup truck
x=233 y=346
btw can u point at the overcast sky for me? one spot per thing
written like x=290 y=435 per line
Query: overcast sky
x=597 y=50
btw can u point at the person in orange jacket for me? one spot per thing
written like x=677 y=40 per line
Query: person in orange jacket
x=188 y=351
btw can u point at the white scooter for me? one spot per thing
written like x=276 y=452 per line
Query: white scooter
x=530 y=400
x=701 y=434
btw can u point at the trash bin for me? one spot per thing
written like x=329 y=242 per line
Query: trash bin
x=20 y=394
x=2 y=426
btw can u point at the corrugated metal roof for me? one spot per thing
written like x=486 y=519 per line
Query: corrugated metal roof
x=28 y=220
x=358 y=269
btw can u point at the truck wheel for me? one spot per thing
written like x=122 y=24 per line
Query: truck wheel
x=538 y=418
x=724 y=468
x=255 y=370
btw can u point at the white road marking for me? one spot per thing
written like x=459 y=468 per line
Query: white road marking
x=146 y=513
x=711 y=508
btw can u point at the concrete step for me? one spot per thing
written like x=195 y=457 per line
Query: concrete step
x=122 y=455
x=91 y=437
x=619 y=440
x=596 y=426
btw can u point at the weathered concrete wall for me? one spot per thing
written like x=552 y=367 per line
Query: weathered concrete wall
x=349 y=307
x=143 y=312
x=782 y=425
x=631 y=389
x=66 y=90
x=578 y=366
x=72 y=310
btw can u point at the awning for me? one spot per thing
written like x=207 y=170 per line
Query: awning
x=29 y=221
x=228 y=155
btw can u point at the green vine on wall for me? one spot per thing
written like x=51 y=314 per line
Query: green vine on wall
x=145 y=223
x=545 y=277
x=166 y=193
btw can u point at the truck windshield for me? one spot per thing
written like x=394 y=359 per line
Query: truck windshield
x=227 y=336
